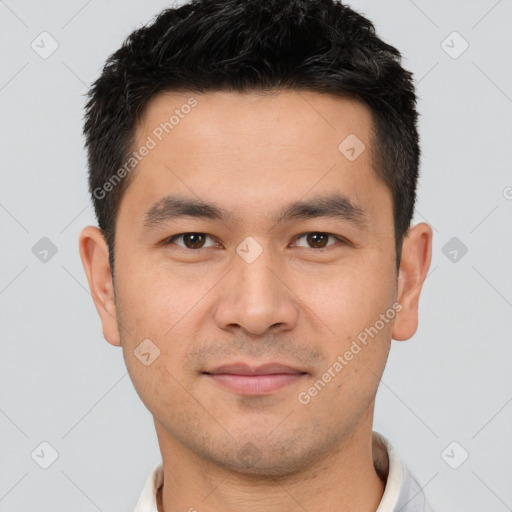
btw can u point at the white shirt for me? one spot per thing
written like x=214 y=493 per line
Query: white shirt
x=401 y=494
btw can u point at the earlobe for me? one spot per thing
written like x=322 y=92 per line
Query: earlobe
x=414 y=265
x=95 y=259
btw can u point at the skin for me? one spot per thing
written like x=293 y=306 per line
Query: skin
x=297 y=304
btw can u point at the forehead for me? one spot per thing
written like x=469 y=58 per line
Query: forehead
x=254 y=147
x=224 y=119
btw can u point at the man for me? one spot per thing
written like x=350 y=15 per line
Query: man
x=253 y=167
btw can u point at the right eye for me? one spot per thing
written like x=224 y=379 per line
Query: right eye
x=191 y=241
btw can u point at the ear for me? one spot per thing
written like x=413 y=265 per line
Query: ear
x=414 y=265
x=95 y=259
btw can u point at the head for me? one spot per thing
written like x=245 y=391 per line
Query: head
x=281 y=136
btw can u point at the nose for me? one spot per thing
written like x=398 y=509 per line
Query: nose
x=256 y=298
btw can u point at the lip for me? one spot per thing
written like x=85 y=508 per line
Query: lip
x=240 y=368
x=254 y=380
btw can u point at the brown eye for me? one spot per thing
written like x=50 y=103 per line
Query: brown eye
x=316 y=240
x=190 y=240
x=193 y=240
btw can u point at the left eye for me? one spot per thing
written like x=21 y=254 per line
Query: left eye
x=190 y=240
x=316 y=240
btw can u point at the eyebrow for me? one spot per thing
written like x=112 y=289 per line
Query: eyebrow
x=336 y=206
x=172 y=207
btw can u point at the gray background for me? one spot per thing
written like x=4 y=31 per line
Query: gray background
x=63 y=384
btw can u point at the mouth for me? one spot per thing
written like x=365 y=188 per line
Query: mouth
x=254 y=380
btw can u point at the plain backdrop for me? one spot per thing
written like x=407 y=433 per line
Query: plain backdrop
x=445 y=400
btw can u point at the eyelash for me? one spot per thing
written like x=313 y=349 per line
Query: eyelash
x=169 y=240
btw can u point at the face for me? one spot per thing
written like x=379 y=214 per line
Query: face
x=247 y=237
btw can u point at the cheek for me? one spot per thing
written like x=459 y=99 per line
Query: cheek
x=153 y=346
x=159 y=388
x=358 y=309
x=150 y=301
x=351 y=299
x=159 y=318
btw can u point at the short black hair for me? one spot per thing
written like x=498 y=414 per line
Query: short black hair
x=253 y=45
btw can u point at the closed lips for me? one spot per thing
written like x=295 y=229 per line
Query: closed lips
x=244 y=369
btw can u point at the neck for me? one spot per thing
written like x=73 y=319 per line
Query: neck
x=345 y=479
